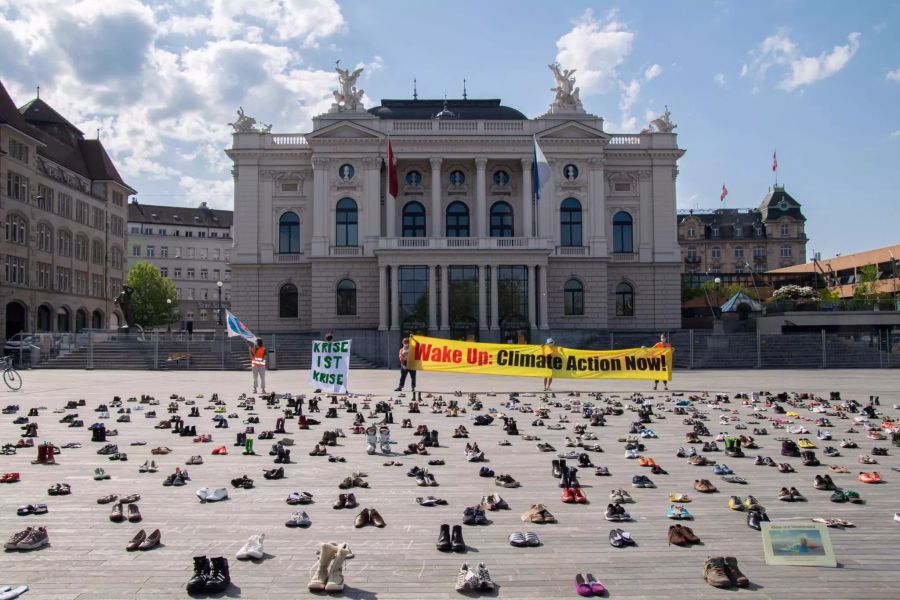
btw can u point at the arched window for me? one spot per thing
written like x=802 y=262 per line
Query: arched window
x=289 y=233
x=346 y=223
x=623 y=240
x=573 y=298
x=97 y=320
x=624 y=300
x=16 y=229
x=288 y=304
x=457 y=220
x=63 y=243
x=346 y=297
x=80 y=320
x=570 y=222
x=413 y=220
x=44 y=315
x=501 y=220
x=45 y=237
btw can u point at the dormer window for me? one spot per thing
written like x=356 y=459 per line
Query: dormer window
x=691 y=232
x=715 y=232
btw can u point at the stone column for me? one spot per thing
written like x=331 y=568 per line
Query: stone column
x=532 y=290
x=482 y=298
x=546 y=227
x=545 y=297
x=390 y=204
x=480 y=198
x=495 y=300
x=370 y=216
x=445 y=298
x=320 y=205
x=395 y=297
x=645 y=218
x=432 y=298
x=382 y=298
x=437 y=216
x=597 y=208
x=527 y=219
x=266 y=216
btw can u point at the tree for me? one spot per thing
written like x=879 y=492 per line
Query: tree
x=151 y=290
x=867 y=283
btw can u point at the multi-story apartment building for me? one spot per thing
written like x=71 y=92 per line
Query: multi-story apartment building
x=732 y=240
x=63 y=208
x=190 y=246
x=463 y=250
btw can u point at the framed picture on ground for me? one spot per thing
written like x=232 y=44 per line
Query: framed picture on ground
x=798 y=544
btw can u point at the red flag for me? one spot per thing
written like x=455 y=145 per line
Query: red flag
x=774 y=161
x=393 y=185
x=724 y=193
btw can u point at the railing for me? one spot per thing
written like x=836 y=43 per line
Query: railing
x=288 y=139
x=454 y=243
x=618 y=139
x=573 y=250
x=850 y=305
x=504 y=126
x=471 y=126
x=288 y=258
x=457 y=125
x=345 y=251
x=624 y=257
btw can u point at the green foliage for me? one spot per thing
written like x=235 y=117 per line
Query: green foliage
x=827 y=295
x=867 y=284
x=149 y=298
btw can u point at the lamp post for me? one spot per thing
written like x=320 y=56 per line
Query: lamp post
x=219 y=285
x=169 y=317
x=718 y=282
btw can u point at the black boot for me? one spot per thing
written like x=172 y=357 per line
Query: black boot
x=434 y=438
x=219 y=578
x=443 y=543
x=197 y=583
x=456 y=540
x=241 y=439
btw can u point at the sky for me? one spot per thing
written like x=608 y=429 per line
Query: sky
x=818 y=81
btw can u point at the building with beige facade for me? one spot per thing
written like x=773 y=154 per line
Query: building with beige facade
x=464 y=250
x=63 y=208
x=737 y=240
x=190 y=246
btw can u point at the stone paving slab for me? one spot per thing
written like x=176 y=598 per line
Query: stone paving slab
x=86 y=558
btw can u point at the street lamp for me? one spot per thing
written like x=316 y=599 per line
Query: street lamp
x=169 y=316
x=718 y=282
x=219 y=285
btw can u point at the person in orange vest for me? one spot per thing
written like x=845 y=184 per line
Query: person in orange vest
x=404 y=371
x=662 y=343
x=258 y=364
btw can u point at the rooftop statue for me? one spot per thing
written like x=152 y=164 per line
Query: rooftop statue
x=567 y=94
x=661 y=124
x=246 y=124
x=347 y=97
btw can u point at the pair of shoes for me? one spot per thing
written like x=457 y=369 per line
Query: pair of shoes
x=327 y=572
x=539 y=514
x=118 y=513
x=30 y=538
x=344 y=501
x=704 y=486
x=681 y=535
x=368 y=516
x=520 y=540
x=448 y=540
x=429 y=501
x=142 y=541
x=212 y=495
x=587 y=585
x=617 y=513
x=790 y=495
x=573 y=495
x=620 y=539
x=299 y=519
x=253 y=549
x=470 y=580
x=210 y=576
x=723 y=572
x=300 y=498
x=474 y=515
x=678 y=512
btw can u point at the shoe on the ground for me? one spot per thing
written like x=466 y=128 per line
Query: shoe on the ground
x=715 y=572
x=253 y=549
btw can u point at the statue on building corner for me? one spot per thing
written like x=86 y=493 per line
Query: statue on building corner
x=247 y=124
x=347 y=97
x=567 y=94
x=661 y=124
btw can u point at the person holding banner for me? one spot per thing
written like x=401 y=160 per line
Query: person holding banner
x=258 y=364
x=549 y=380
x=404 y=357
x=662 y=343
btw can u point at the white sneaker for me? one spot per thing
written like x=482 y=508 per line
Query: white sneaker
x=897 y=517
x=252 y=549
x=216 y=494
x=203 y=493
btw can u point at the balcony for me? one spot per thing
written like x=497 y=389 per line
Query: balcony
x=288 y=258
x=692 y=260
x=573 y=251
x=461 y=243
x=345 y=251
x=617 y=257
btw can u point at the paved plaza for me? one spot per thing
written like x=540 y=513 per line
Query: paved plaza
x=86 y=557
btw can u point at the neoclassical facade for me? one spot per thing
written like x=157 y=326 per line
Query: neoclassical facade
x=464 y=249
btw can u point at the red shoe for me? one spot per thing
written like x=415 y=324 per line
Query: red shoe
x=568 y=495
x=9 y=478
x=580 y=498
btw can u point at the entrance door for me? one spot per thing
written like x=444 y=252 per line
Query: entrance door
x=44 y=317
x=16 y=318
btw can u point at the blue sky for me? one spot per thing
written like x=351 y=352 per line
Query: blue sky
x=819 y=80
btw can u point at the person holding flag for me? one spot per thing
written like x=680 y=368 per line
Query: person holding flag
x=258 y=364
x=662 y=343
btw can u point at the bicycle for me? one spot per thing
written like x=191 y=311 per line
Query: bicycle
x=11 y=377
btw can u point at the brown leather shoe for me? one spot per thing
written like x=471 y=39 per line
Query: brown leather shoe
x=676 y=536
x=362 y=519
x=734 y=573
x=351 y=501
x=376 y=519
x=688 y=534
x=116 y=516
x=134 y=515
x=341 y=502
x=715 y=574
x=153 y=540
x=136 y=541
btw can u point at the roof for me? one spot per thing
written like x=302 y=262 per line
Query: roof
x=778 y=203
x=727 y=219
x=10 y=115
x=37 y=111
x=179 y=215
x=732 y=304
x=849 y=261
x=461 y=109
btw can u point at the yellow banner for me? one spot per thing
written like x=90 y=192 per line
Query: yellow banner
x=534 y=360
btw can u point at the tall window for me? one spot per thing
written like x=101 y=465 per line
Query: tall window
x=624 y=300
x=785 y=230
x=45 y=237
x=457 y=220
x=413 y=284
x=16 y=230
x=759 y=252
x=739 y=252
x=623 y=230
x=346 y=223
x=501 y=220
x=692 y=253
x=462 y=293
x=692 y=232
x=346 y=297
x=573 y=298
x=63 y=243
x=785 y=252
x=288 y=301
x=512 y=292
x=570 y=222
x=716 y=252
x=413 y=220
x=289 y=233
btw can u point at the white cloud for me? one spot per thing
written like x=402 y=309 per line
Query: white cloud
x=652 y=72
x=596 y=49
x=799 y=71
x=896 y=133
x=719 y=78
x=893 y=75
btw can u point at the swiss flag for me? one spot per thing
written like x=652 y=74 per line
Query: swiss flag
x=393 y=185
x=724 y=193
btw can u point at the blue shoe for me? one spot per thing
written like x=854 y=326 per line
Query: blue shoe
x=637 y=481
